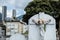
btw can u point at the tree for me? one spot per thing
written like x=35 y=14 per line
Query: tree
x=50 y=7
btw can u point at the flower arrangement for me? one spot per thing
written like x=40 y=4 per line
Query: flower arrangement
x=41 y=22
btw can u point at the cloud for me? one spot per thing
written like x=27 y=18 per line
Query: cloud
x=7 y=3
x=15 y=3
x=9 y=13
x=22 y=3
x=1 y=2
x=12 y=2
x=20 y=12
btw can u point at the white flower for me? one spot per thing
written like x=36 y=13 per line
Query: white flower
x=41 y=21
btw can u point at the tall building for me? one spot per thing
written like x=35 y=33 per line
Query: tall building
x=14 y=14
x=4 y=11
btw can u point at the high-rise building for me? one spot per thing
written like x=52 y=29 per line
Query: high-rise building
x=4 y=11
x=14 y=14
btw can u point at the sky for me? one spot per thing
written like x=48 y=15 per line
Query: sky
x=19 y=5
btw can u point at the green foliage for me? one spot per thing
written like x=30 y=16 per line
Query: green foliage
x=45 y=27
x=56 y=7
x=26 y=33
x=46 y=6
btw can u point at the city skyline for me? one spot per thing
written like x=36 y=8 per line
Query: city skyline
x=19 y=5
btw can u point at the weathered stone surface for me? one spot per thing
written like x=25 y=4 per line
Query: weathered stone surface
x=34 y=31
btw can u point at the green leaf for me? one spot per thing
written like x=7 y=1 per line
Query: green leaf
x=45 y=27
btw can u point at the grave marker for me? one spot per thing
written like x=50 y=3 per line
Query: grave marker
x=36 y=34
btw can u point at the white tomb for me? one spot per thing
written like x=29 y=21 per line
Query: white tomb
x=36 y=34
x=17 y=36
